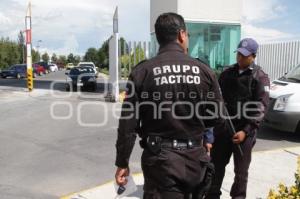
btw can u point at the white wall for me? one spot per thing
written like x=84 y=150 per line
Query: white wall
x=229 y=11
x=211 y=10
x=158 y=7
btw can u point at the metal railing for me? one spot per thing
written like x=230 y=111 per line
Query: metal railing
x=278 y=58
x=130 y=54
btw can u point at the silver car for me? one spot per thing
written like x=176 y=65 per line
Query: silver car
x=284 y=109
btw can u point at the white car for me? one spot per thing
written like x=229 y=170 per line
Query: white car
x=88 y=64
x=53 y=67
x=284 y=108
x=69 y=66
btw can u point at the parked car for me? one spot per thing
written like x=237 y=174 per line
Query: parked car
x=81 y=77
x=87 y=64
x=38 y=70
x=16 y=71
x=69 y=66
x=284 y=109
x=45 y=65
x=53 y=67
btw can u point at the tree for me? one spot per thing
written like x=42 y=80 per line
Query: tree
x=9 y=53
x=124 y=46
x=77 y=59
x=21 y=43
x=102 y=59
x=71 y=58
x=13 y=53
x=45 y=57
x=91 y=55
x=62 y=59
x=103 y=54
x=35 y=56
x=139 y=55
x=3 y=53
x=54 y=58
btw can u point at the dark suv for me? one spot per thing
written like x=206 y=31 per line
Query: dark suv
x=82 y=77
x=17 y=71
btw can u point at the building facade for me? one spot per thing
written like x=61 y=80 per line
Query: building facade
x=214 y=27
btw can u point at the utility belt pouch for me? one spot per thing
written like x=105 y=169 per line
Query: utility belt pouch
x=154 y=144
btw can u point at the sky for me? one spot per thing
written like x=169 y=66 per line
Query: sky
x=72 y=26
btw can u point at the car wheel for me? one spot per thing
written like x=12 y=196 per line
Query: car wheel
x=94 y=88
x=4 y=77
x=298 y=128
x=68 y=88
x=18 y=76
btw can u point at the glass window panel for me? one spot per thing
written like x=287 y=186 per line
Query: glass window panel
x=212 y=43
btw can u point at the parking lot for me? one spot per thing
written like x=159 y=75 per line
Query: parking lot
x=53 y=143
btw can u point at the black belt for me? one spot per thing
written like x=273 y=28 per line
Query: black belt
x=180 y=144
x=156 y=142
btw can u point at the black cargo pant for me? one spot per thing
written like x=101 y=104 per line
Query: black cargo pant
x=222 y=150
x=173 y=173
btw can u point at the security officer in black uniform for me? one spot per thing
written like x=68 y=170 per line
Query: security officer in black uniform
x=245 y=89
x=165 y=104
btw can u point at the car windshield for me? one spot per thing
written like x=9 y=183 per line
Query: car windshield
x=78 y=71
x=12 y=68
x=86 y=65
x=20 y=66
x=293 y=75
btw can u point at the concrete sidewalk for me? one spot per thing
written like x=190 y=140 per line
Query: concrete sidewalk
x=267 y=170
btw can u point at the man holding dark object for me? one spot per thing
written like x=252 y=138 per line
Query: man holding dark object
x=245 y=89
x=163 y=107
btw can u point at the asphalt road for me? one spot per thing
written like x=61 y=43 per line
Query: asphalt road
x=51 y=146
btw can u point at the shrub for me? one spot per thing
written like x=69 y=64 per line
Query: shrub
x=285 y=192
x=104 y=71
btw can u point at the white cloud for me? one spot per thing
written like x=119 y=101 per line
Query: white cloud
x=264 y=35
x=262 y=10
x=256 y=16
x=74 y=25
x=4 y=20
x=71 y=45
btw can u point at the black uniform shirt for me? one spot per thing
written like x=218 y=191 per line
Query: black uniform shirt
x=162 y=100
x=246 y=95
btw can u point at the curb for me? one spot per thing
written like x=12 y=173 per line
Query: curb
x=88 y=193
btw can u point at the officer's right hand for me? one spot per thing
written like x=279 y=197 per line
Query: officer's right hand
x=121 y=175
x=239 y=137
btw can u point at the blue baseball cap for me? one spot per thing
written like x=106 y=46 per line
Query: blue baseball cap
x=247 y=47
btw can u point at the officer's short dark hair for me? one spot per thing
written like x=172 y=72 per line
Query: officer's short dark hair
x=167 y=27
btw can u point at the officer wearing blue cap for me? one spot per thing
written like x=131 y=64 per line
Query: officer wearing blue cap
x=245 y=89
x=247 y=47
